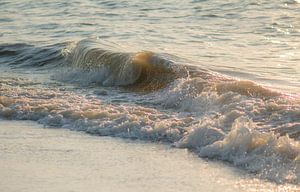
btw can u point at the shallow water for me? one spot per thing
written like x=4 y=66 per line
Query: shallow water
x=220 y=79
x=255 y=40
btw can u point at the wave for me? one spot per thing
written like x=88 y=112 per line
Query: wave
x=103 y=64
x=255 y=134
x=239 y=121
x=26 y=55
x=143 y=70
x=91 y=61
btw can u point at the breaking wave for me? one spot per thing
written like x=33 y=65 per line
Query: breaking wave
x=151 y=96
x=144 y=70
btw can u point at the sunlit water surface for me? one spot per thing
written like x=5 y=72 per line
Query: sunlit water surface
x=221 y=79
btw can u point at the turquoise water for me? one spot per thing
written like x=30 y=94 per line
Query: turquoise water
x=221 y=79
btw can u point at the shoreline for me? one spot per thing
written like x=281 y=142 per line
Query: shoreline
x=34 y=158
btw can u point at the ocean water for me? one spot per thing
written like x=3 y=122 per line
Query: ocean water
x=221 y=79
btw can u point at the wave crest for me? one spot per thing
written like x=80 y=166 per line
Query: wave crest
x=144 y=70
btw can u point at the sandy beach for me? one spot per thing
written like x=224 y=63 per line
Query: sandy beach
x=35 y=159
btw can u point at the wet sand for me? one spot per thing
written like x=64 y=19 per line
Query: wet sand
x=33 y=158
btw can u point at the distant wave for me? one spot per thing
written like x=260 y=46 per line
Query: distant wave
x=26 y=55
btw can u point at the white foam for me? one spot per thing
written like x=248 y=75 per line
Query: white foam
x=227 y=126
x=271 y=156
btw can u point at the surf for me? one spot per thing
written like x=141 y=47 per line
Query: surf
x=100 y=89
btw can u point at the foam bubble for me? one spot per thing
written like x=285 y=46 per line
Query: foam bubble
x=250 y=132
